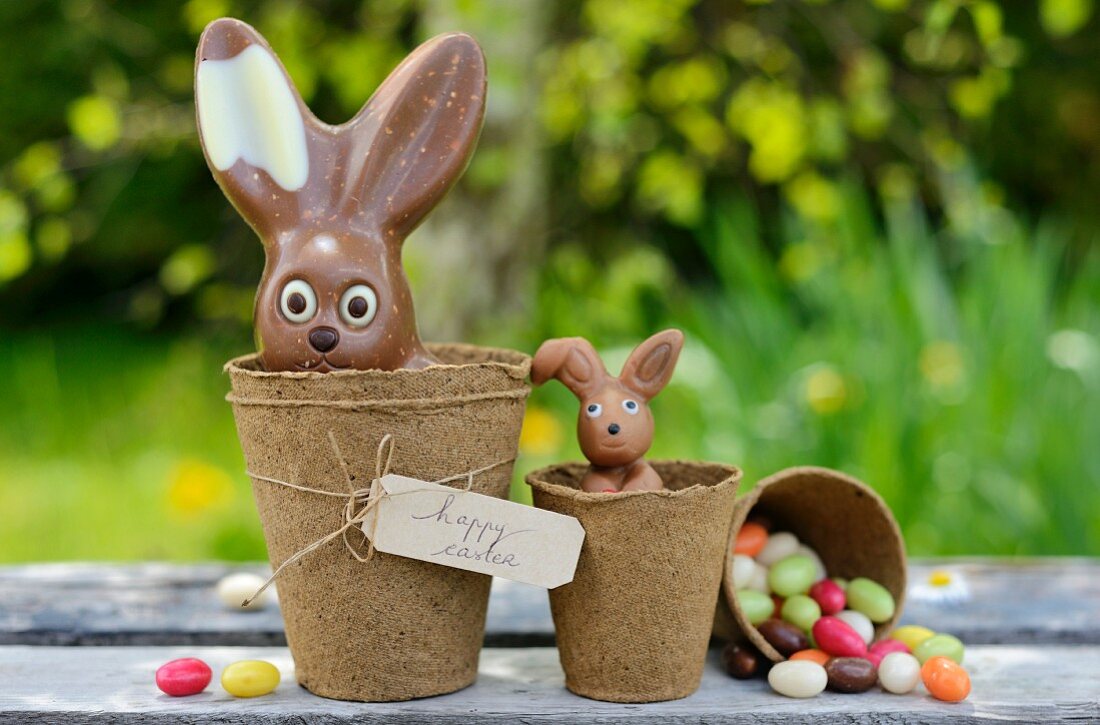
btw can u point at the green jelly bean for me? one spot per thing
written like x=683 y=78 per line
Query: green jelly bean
x=801 y=611
x=841 y=582
x=870 y=598
x=793 y=575
x=940 y=645
x=756 y=606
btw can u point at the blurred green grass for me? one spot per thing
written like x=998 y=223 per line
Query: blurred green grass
x=958 y=376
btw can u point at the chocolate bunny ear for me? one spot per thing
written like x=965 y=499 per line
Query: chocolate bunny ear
x=257 y=134
x=649 y=368
x=571 y=360
x=414 y=137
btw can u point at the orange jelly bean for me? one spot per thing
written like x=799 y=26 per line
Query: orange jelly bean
x=750 y=539
x=945 y=679
x=812 y=655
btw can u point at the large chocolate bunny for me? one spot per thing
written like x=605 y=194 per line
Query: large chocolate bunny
x=333 y=204
x=615 y=426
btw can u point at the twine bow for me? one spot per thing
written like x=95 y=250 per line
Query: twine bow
x=366 y=499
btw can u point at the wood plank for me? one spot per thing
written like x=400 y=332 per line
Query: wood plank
x=115 y=684
x=1023 y=601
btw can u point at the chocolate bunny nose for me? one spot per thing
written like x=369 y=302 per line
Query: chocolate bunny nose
x=323 y=339
x=613 y=429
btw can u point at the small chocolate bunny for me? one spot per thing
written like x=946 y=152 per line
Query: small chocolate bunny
x=333 y=204
x=615 y=426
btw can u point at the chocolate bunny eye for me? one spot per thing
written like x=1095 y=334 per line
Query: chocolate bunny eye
x=298 y=301
x=630 y=406
x=358 y=305
x=594 y=410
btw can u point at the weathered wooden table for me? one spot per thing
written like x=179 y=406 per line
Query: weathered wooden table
x=80 y=642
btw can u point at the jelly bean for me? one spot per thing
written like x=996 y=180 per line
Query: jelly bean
x=911 y=635
x=187 y=676
x=870 y=598
x=751 y=539
x=798 y=679
x=785 y=637
x=792 y=575
x=860 y=623
x=759 y=579
x=741 y=662
x=233 y=589
x=899 y=672
x=850 y=674
x=819 y=566
x=755 y=606
x=828 y=595
x=883 y=647
x=945 y=679
x=940 y=645
x=742 y=569
x=250 y=678
x=801 y=611
x=780 y=545
x=837 y=637
x=813 y=655
x=840 y=582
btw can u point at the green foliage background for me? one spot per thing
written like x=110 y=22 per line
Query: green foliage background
x=876 y=221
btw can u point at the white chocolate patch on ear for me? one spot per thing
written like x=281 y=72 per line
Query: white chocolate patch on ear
x=247 y=111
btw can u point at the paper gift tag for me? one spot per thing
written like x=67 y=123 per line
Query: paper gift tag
x=442 y=525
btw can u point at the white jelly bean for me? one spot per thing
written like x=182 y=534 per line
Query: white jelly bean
x=860 y=623
x=759 y=579
x=780 y=545
x=235 y=588
x=743 y=567
x=798 y=678
x=899 y=672
x=819 y=566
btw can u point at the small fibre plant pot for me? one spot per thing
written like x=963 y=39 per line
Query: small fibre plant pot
x=849 y=526
x=634 y=624
x=389 y=628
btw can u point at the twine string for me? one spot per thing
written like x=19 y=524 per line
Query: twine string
x=369 y=497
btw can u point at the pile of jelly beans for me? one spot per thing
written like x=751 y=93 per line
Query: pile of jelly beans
x=190 y=676
x=826 y=627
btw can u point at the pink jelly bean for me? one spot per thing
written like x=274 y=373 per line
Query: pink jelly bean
x=829 y=596
x=187 y=676
x=837 y=638
x=884 y=647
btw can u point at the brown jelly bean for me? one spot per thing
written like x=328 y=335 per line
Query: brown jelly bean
x=741 y=662
x=784 y=636
x=850 y=674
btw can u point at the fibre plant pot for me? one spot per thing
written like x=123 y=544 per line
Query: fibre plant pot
x=849 y=526
x=390 y=628
x=634 y=624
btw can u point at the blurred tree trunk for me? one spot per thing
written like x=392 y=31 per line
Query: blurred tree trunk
x=473 y=261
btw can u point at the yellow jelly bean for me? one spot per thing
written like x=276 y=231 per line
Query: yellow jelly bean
x=250 y=678
x=911 y=635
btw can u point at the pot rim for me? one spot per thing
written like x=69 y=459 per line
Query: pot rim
x=534 y=480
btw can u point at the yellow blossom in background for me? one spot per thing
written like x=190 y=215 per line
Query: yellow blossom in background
x=800 y=262
x=541 y=434
x=772 y=118
x=813 y=196
x=826 y=391
x=941 y=364
x=196 y=486
x=96 y=121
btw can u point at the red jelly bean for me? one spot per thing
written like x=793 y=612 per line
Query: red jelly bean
x=837 y=637
x=829 y=596
x=187 y=676
x=884 y=647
